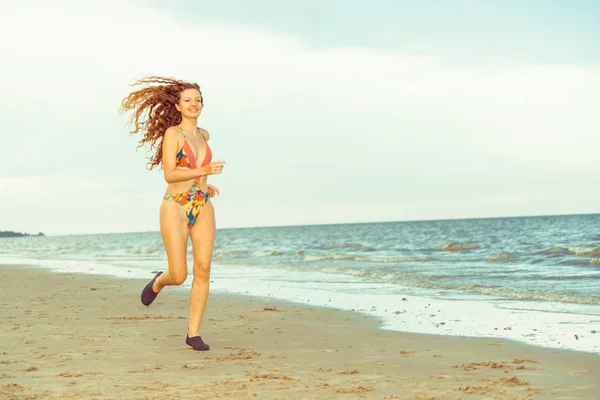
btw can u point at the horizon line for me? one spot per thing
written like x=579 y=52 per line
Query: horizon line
x=342 y=223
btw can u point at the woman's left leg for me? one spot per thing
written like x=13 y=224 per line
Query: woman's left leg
x=203 y=242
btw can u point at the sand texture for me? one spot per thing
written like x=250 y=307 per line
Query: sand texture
x=70 y=336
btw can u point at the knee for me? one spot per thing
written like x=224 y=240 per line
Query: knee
x=178 y=278
x=201 y=272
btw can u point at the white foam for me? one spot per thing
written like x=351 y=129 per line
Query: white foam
x=545 y=324
x=81 y=267
x=556 y=329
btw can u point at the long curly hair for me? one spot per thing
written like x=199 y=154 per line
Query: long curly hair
x=154 y=110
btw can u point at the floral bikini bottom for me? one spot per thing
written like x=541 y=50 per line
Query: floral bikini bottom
x=192 y=201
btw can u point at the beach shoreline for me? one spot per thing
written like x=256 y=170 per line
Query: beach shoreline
x=70 y=335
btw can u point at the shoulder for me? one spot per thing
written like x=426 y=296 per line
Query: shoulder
x=172 y=135
x=205 y=133
x=171 y=131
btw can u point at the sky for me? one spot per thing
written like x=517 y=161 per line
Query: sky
x=326 y=111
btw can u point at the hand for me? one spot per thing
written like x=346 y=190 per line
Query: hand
x=213 y=191
x=214 y=167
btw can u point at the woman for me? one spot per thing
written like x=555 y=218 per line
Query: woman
x=166 y=111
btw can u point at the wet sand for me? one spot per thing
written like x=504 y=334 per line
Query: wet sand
x=72 y=336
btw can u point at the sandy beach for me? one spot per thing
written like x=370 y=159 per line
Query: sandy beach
x=73 y=336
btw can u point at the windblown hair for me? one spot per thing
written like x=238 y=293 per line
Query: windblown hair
x=154 y=110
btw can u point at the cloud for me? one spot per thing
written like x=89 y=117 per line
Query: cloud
x=289 y=118
x=99 y=47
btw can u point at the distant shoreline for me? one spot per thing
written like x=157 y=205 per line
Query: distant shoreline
x=6 y=234
x=339 y=223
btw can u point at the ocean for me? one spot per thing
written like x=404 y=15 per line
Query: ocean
x=531 y=279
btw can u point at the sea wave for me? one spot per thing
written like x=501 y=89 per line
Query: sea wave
x=354 y=257
x=499 y=257
x=557 y=251
x=457 y=246
x=581 y=261
x=523 y=295
x=267 y=253
x=586 y=250
x=346 y=245
x=225 y=253
x=148 y=250
x=434 y=282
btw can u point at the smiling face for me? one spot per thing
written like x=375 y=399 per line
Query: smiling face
x=190 y=103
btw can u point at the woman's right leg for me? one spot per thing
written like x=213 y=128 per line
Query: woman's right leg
x=174 y=231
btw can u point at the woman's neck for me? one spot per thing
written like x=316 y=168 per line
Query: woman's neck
x=189 y=125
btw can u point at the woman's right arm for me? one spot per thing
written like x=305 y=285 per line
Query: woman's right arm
x=172 y=172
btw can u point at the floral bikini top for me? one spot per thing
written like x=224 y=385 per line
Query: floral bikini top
x=185 y=156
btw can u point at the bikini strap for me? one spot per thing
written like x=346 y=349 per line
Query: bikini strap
x=200 y=130
x=183 y=133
